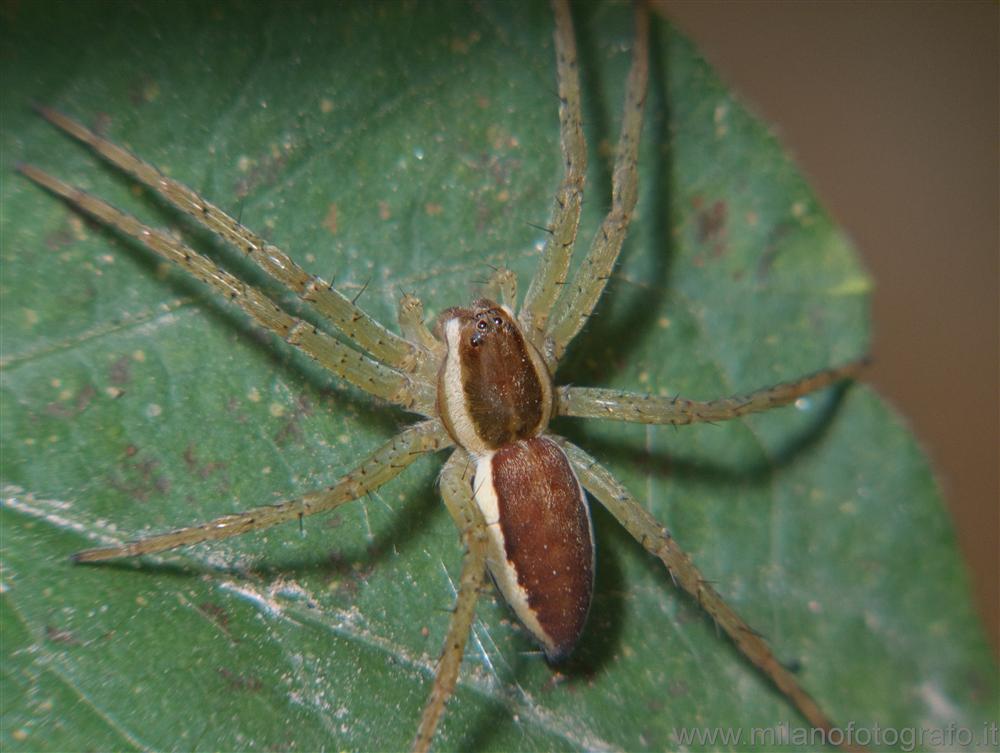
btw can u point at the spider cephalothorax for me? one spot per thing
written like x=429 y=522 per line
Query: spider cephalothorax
x=483 y=385
x=493 y=386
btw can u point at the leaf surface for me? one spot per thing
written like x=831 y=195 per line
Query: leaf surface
x=406 y=147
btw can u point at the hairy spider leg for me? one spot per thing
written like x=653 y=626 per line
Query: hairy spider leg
x=346 y=362
x=657 y=540
x=502 y=286
x=361 y=328
x=550 y=276
x=384 y=464
x=410 y=316
x=578 y=301
x=617 y=405
x=456 y=490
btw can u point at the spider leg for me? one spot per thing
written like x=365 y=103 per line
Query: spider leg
x=367 y=333
x=590 y=402
x=548 y=281
x=456 y=490
x=657 y=540
x=411 y=324
x=596 y=268
x=387 y=462
x=502 y=287
x=349 y=364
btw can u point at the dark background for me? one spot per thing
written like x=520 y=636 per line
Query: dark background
x=891 y=110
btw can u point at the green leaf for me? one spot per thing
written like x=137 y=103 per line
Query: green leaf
x=404 y=147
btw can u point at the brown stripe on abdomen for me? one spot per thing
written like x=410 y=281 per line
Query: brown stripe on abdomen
x=547 y=537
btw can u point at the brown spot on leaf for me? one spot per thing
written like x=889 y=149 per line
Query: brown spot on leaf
x=218 y=615
x=200 y=469
x=58 y=635
x=234 y=407
x=102 y=124
x=79 y=404
x=291 y=429
x=347 y=577
x=58 y=238
x=771 y=251
x=143 y=90
x=264 y=172
x=330 y=221
x=121 y=371
x=712 y=227
x=239 y=681
x=138 y=477
x=555 y=680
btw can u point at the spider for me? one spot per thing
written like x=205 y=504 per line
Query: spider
x=482 y=381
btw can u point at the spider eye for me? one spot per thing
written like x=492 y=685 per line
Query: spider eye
x=497 y=321
x=481 y=325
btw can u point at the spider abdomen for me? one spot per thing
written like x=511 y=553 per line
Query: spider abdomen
x=541 y=551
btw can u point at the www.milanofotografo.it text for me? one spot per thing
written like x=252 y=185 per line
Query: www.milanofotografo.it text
x=951 y=737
